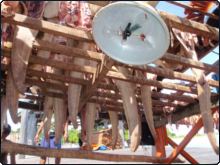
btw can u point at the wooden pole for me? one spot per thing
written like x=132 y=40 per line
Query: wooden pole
x=9 y=147
x=186 y=140
x=160 y=142
x=48 y=27
x=186 y=25
x=88 y=91
x=184 y=153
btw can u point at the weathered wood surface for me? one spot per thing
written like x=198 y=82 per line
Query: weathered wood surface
x=190 y=63
x=138 y=80
x=97 y=56
x=61 y=65
x=168 y=73
x=46 y=75
x=182 y=112
x=171 y=20
x=186 y=25
x=43 y=84
x=193 y=9
x=10 y=147
x=106 y=65
x=48 y=27
x=67 y=50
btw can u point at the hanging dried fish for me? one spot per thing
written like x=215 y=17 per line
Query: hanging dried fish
x=188 y=42
x=12 y=97
x=147 y=104
x=127 y=91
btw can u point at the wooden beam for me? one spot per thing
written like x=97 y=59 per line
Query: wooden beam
x=67 y=50
x=97 y=56
x=173 y=97
x=184 y=153
x=168 y=73
x=52 y=76
x=45 y=84
x=135 y=79
x=182 y=112
x=190 y=26
x=61 y=65
x=154 y=95
x=112 y=108
x=105 y=101
x=193 y=9
x=106 y=65
x=48 y=27
x=189 y=62
x=11 y=147
x=55 y=94
x=186 y=140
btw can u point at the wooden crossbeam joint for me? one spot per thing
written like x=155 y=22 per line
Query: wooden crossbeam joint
x=88 y=91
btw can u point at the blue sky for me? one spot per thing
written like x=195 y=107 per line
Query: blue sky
x=172 y=9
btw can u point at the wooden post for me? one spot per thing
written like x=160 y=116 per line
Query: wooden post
x=160 y=142
x=184 y=153
x=186 y=140
x=10 y=147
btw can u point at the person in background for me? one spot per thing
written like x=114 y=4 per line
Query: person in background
x=215 y=77
x=5 y=133
x=51 y=144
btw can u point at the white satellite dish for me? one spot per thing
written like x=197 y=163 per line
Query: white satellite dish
x=131 y=32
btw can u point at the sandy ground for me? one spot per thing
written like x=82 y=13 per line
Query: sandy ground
x=199 y=148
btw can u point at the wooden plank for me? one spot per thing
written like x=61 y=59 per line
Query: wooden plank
x=173 y=97
x=189 y=62
x=168 y=73
x=68 y=51
x=10 y=147
x=52 y=76
x=106 y=65
x=182 y=112
x=193 y=9
x=61 y=65
x=48 y=27
x=45 y=84
x=155 y=70
x=105 y=101
x=113 y=101
x=186 y=140
x=186 y=25
x=183 y=152
x=112 y=108
x=158 y=95
x=135 y=79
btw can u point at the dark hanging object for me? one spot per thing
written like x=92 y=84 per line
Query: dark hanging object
x=146 y=136
x=214 y=22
